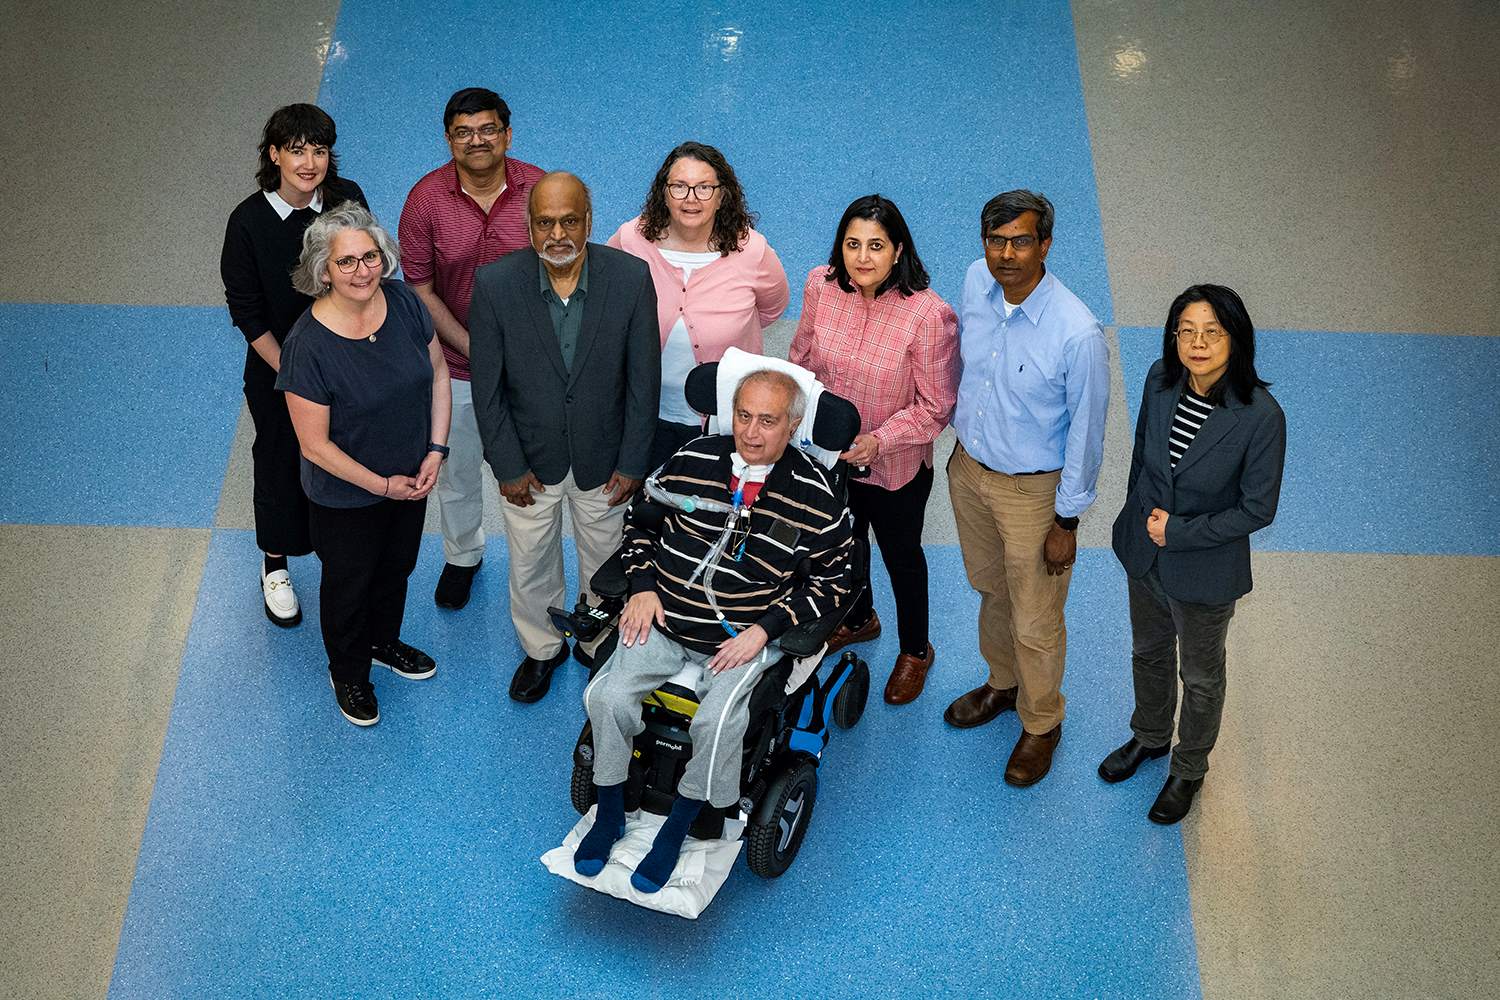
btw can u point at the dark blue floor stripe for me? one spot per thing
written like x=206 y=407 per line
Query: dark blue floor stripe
x=289 y=854
x=1392 y=441
x=938 y=106
x=116 y=415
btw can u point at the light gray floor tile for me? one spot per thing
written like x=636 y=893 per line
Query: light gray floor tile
x=1334 y=162
x=159 y=111
x=92 y=627
x=1345 y=843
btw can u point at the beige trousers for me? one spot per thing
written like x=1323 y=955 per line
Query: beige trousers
x=534 y=535
x=1002 y=522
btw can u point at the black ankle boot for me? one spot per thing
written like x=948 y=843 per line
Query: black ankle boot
x=1175 y=799
x=1122 y=763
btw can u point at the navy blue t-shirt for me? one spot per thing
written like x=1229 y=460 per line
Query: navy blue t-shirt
x=378 y=393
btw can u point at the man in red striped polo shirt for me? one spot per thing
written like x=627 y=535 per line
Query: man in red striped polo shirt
x=467 y=213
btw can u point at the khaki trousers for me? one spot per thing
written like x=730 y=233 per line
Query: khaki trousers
x=534 y=535
x=1002 y=521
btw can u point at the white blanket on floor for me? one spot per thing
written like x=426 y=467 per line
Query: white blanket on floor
x=700 y=871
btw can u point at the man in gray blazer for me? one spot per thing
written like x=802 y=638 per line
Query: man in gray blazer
x=566 y=365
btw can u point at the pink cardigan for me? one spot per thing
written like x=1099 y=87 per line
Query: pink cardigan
x=726 y=303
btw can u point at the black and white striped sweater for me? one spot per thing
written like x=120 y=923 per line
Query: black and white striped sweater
x=797 y=516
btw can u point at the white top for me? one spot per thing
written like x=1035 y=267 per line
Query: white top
x=283 y=207
x=677 y=358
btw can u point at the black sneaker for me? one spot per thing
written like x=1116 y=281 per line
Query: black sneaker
x=357 y=701
x=453 y=585
x=405 y=661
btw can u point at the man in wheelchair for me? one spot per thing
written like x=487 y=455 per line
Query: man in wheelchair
x=755 y=540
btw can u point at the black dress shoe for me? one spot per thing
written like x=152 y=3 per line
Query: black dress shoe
x=533 y=678
x=454 y=584
x=1121 y=764
x=1175 y=799
x=582 y=657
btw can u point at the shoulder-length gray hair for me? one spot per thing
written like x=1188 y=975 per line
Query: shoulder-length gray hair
x=310 y=275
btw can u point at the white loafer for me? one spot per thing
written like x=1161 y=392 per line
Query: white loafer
x=281 y=600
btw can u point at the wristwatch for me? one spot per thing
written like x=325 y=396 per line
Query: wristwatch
x=1065 y=523
x=441 y=449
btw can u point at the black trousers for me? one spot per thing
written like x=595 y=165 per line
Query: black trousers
x=896 y=516
x=1169 y=637
x=669 y=437
x=367 y=555
x=281 y=512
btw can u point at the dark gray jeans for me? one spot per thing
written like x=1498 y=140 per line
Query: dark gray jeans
x=1158 y=625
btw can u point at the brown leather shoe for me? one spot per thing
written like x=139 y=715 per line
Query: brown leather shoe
x=908 y=676
x=1032 y=758
x=844 y=635
x=979 y=706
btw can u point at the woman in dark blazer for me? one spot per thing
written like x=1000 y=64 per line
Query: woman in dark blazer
x=1205 y=473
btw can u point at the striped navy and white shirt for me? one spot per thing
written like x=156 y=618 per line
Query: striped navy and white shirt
x=797 y=516
x=1192 y=410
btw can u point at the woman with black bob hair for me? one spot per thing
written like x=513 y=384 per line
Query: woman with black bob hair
x=297 y=179
x=1210 y=443
x=875 y=333
x=718 y=282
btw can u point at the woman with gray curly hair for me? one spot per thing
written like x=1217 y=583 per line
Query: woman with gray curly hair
x=367 y=388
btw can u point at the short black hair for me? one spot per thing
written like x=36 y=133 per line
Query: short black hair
x=907 y=274
x=1012 y=205
x=471 y=101
x=1241 y=377
x=305 y=124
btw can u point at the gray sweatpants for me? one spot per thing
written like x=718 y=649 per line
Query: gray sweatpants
x=613 y=702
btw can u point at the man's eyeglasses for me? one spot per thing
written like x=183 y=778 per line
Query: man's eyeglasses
x=1018 y=243
x=464 y=133
x=350 y=264
x=1210 y=337
x=679 y=191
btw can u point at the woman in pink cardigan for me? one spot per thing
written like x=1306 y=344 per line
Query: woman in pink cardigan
x=718 y=282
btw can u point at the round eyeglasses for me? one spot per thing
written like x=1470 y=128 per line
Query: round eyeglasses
x=350 y=264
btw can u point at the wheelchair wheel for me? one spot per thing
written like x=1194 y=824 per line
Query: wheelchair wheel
x=776 y=830
x=849 y=703
x=582 y=790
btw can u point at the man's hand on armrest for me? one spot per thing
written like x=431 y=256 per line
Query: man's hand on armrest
x=739 y=650
x=640 y=611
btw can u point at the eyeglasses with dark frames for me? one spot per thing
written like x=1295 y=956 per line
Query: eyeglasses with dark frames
x=679 y=190
x=350 y=264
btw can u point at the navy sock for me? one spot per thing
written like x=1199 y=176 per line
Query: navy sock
x=609 y=825
x=656 y=867
x=273 y=563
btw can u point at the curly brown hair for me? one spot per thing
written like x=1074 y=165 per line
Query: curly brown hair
x=732 y=221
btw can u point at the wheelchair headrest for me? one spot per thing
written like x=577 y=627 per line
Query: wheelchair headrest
x=828 y=427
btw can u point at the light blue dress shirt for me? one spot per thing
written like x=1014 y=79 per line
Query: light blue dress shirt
x=1035 y=387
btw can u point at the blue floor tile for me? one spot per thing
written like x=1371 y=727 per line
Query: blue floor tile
x=123 y=415
x=290 y=854
x=1392 y=442
x=937 y=107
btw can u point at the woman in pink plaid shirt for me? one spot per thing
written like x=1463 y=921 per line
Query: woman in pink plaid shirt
x=875 y=333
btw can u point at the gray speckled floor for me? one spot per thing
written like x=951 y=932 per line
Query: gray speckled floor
x=92 y=626
x=130 y=130
x=1344 y=845
x=1334 y=162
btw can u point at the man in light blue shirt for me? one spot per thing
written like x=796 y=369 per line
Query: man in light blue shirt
x=1030 y=422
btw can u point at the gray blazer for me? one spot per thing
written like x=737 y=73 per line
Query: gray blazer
x=1225 y=486
x=533 y=413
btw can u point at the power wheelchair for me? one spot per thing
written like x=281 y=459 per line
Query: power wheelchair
x=787 y=733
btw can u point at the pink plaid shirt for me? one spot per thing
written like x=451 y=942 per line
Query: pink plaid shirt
x=895 y=359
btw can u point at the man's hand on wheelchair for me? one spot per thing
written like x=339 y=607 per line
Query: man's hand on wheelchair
x=739 y=650
x=640 y=611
